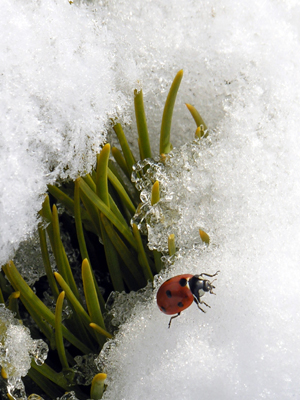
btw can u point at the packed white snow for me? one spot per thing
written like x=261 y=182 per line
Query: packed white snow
x=242 y=192
x=67 y=69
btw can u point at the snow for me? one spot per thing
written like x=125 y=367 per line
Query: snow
x=66 y=69
x=241 y=185
x=242 y=192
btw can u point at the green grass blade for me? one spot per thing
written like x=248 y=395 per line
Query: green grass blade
x=90 y=209
x=126 y=183
x=130 y=161
x=129 y=260
x=43 y=326
x=165 y=145
x=121 y=192
x=113 y=262
x=60 y=255
x=197 y=117
x=123 y=229
x=157 y=261
x=142 y=255
x=78 y=222
x=62 y=197
x=115 y=209
x=68 y=203
x=18 y=283
x=1 y=297
x=103 y=195
x=78 y=310
x=91 y=297
x=6 y=288
x=72 y=298
x=47 y=218
x=45 y=384
x=47 y=264
x=142 y=125
x=100 y=330
x=80 y=236
x=90 y=181
x=101 y=177
x=58 y=331
x=120 y=160
x=49 y=373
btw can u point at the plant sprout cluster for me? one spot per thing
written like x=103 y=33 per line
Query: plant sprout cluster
x=103 y=205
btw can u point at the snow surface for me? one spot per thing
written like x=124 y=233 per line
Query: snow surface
x=66 y=69
x=241 y=186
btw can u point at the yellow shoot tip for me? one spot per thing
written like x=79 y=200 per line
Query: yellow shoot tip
x=3 y=373
x=85 y=263
x=100 y=330
x=204 y=236
x=97 y=387
x=58 y=277
x=106 y=147
x=171 y=244
x=100 y=377
x=62 y=295
x=155 y=193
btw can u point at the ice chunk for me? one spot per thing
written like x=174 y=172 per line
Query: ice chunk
x=184 y=180
x=17 y=349
x=69 y=396
x=28 y=260
x=85 y=368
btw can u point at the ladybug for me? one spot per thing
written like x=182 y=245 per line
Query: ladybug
x=178 y=293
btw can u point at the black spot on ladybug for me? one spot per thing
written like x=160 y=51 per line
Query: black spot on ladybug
x=182 y=282
x=169 y=294
x=180 y=304
x=163 y=309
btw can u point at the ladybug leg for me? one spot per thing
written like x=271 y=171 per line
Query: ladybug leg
x=198 y=302
x=203 y=302
x=174 y=316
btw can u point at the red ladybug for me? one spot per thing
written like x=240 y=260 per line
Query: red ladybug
x=178 y=293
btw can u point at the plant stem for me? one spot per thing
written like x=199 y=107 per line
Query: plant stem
x=58 y=331
x=141 y=123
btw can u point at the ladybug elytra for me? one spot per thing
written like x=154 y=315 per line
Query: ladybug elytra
x=179 y=292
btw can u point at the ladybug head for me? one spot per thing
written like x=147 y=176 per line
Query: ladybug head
x=199 y=285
